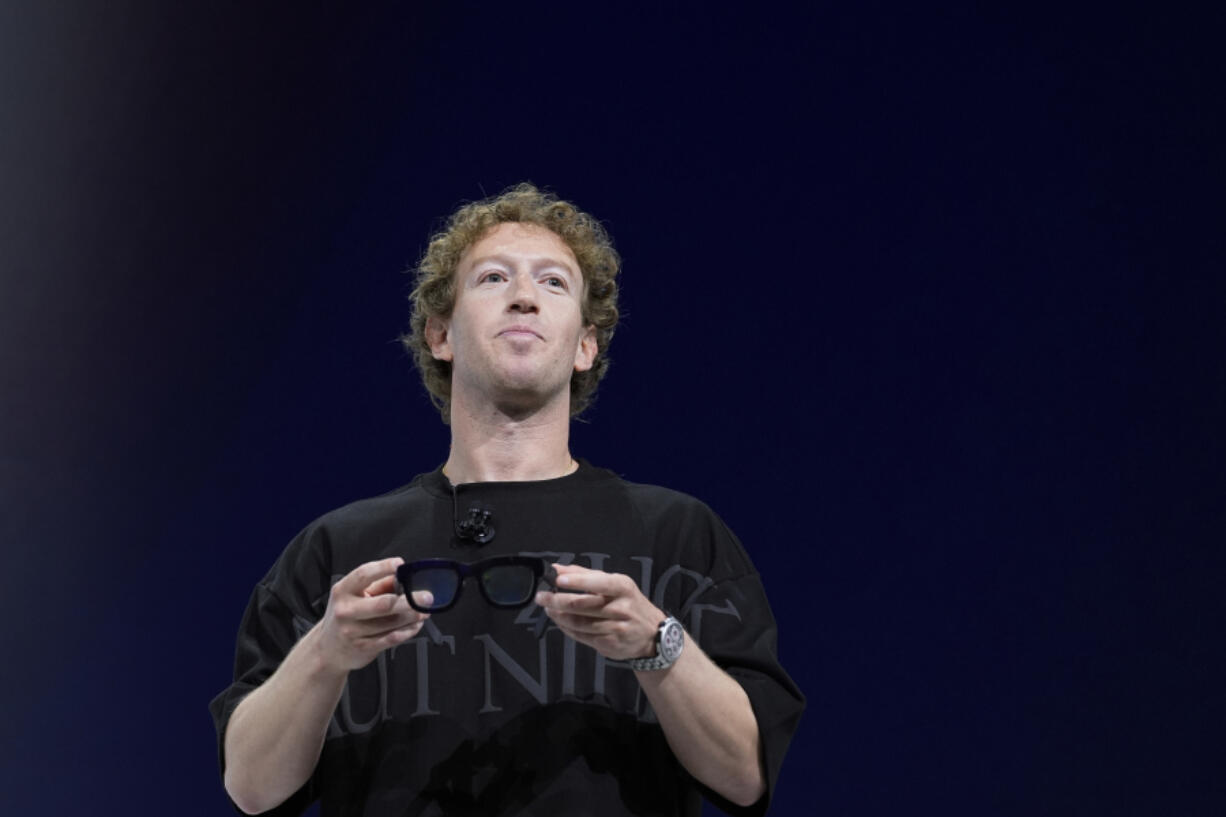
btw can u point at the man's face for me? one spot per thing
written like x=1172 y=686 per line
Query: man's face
x=516 y=333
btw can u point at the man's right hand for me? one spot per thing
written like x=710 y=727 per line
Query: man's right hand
x=366 y=615
x=276 y=733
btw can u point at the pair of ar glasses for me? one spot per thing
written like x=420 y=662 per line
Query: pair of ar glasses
x=506 y=582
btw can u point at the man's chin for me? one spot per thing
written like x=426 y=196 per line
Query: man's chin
x=515 y=391
x=526 y=398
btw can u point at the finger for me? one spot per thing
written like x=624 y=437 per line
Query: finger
x=377 y=588
x=369 y=607
x=582 y=627
x=574 y=572
x=376 y=628
x=366 y=574
x=592 y=581
x=571 y=602
x=572 y=569
x=364 y=608
x=397 y=636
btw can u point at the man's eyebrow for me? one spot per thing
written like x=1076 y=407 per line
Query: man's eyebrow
x=546 y=263
x=485 y=259
x=536 y=264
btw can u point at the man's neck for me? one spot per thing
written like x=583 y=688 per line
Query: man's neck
x=491 y=445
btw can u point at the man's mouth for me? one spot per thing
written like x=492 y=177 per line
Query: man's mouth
x=521 y=331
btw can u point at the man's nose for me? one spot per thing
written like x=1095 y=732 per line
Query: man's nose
x=523 y=294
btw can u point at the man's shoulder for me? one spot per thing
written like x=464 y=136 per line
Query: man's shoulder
x=656 y=500
x=388 y=506
x=662 y=497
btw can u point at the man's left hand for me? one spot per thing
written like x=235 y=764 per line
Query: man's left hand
x=605 y=611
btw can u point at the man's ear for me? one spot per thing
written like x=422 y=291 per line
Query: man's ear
x=585 y=354
x=437 y=336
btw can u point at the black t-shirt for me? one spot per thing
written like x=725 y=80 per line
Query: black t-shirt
x=490 y=711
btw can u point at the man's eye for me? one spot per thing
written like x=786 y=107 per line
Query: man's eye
x=555 y=281
x=493 y=277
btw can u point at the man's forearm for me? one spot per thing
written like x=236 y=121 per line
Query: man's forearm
x=705 y=714
x=276 y=733
x=709 y=724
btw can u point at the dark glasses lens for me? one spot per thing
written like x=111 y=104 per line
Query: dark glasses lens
x=508 y=585
x=440 y=582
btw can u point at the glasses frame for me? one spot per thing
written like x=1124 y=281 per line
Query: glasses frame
x=466 y=570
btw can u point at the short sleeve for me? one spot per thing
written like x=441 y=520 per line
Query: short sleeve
x=268 y=631
x=746 y=648
x=730 y=618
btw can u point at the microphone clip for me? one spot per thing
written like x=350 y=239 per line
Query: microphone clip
x=476 y=527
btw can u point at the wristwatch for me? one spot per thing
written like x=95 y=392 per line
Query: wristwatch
x=669 y=640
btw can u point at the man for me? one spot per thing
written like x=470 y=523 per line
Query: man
x=345 y=692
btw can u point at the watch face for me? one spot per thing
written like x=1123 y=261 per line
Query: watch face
x=671 y=640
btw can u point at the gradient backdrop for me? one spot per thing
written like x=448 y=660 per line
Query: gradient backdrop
x=928 y=304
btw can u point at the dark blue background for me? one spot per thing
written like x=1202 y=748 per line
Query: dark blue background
x=928 y=304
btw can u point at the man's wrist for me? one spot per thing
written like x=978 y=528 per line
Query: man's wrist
x=318 y=662
x=667 y=646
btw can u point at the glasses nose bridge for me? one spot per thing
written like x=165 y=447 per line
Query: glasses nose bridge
x=468 y=571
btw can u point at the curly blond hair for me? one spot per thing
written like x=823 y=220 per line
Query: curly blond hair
x=434 y=291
